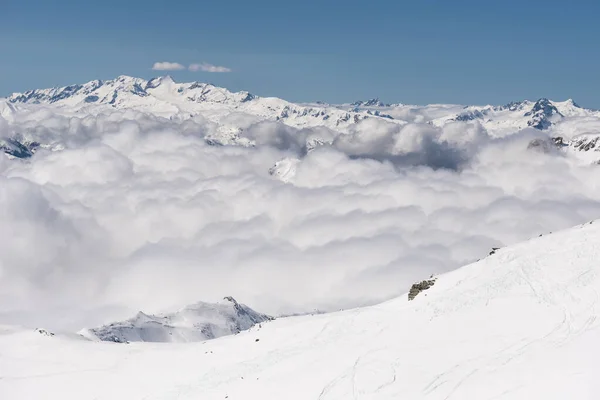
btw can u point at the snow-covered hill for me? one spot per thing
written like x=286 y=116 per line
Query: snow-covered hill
x=194 y=323
x=519 y=324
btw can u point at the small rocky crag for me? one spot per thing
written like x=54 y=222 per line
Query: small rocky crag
x=194 y=323
x=547 y=145
x=418 y=287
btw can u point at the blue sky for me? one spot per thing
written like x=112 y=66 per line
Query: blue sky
x=418 y=52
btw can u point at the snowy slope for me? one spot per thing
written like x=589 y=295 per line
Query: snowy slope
x=519 y=324
x=194 y=323
x=284 y=169
x=7 y=109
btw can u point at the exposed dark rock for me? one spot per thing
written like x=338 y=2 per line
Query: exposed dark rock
x=370 y=103
x=513 y=106
x=586 y=144
x=470 y=116
x=417 y=288
x=44 y=332
x=379 y=114
x=17 y=149
x=248 y=97
x=546 y=145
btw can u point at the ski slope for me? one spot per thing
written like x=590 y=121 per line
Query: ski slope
x=519 y=324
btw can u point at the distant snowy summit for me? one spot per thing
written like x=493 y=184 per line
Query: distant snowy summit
x=541 y=114
x=197 y=322
x=375 y=102
x=128 y=91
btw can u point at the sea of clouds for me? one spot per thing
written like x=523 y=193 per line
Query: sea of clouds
x=139 y=213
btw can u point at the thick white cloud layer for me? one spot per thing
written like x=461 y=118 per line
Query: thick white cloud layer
x=138 y=212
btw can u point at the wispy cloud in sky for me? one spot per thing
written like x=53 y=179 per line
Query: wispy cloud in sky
x=206 y=67
x=167 y=66
x=174 y=66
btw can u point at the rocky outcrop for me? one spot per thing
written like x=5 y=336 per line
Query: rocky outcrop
x=419 y=287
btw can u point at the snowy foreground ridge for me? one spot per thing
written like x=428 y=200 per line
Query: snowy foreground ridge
x=519 y=324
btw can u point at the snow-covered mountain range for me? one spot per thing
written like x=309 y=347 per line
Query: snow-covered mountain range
x=163 y=97
x=194 y=323
x=520 y=324
x=233 y=112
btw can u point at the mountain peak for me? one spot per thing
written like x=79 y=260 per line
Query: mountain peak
x=572 y=103
x=195 y=322
x=230 y=299
x=542 y=114
x=545 y=106
x=374 y=102
x=166 y=79
x=159 y=80
x=126 y=78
